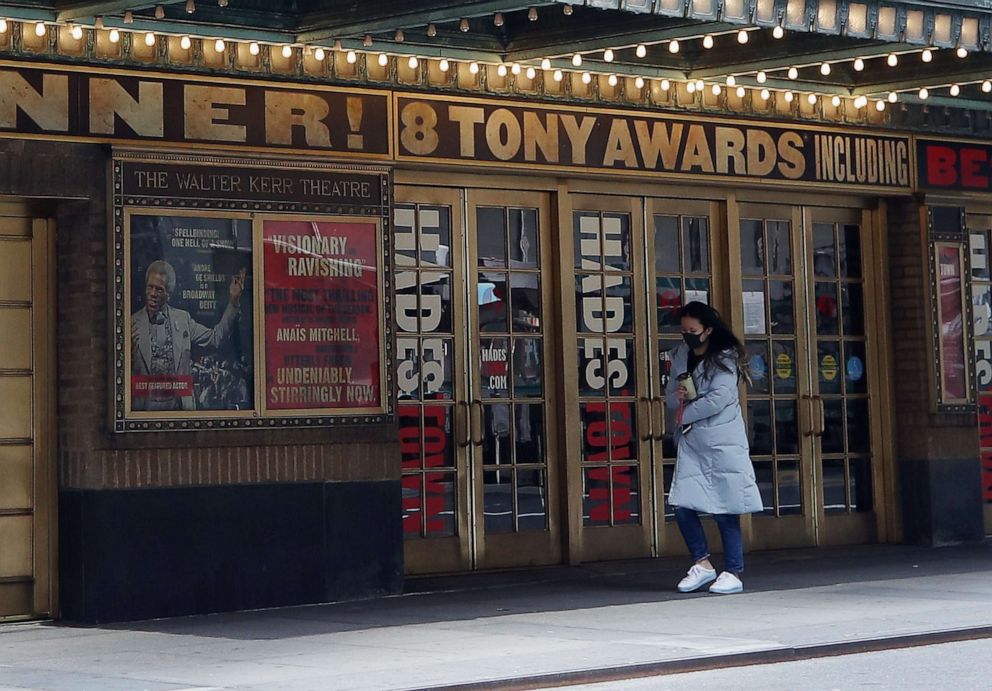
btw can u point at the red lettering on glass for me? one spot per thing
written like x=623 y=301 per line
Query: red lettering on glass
x=972 y=161
x=599 y=494
x=435 y=491
x=622 y=494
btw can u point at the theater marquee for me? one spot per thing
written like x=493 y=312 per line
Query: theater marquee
x=249 y=293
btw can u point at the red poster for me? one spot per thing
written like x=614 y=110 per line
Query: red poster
x=322 y=304
x=951 y=323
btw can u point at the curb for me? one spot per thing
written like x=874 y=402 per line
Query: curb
x=702 y=664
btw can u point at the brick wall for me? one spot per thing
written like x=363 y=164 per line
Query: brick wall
x=74 y=178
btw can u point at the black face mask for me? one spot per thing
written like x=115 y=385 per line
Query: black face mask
x=692 y=340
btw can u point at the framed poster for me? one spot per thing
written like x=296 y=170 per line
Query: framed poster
x=953 y=357
x=249 y=293
x=190 y=316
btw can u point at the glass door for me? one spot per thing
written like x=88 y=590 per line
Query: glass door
x=679 y=269
x=980 y=242
x=773 y=312
x=810 y=418
x=513 y=438
x=844 y=424
x=476 y=392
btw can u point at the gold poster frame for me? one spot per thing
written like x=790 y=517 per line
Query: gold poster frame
x=943 y=398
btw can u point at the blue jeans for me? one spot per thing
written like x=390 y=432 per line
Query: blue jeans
x=730 y=534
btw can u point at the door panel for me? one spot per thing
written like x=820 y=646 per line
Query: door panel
x=27 y=469
x=980 y=242
x=477 y=429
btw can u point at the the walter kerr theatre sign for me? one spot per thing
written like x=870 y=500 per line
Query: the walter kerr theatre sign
x=341 y=121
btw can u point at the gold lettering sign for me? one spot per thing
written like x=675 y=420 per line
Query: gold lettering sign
x=558 y=137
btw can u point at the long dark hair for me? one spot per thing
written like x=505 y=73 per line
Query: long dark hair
x=720 y=341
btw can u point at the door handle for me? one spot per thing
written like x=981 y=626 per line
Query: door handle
x=659 y=419
x=641 y=403
x=477 y=422
x=810 y=427
x=821 y=416
x=464 y=423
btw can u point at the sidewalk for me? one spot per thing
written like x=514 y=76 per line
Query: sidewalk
x=589 y=623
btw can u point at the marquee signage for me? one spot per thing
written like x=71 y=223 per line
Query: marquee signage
x=954 y=165
x=144 y=108
x=470 y=131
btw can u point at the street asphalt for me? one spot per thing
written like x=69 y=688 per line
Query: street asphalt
x=528 y=629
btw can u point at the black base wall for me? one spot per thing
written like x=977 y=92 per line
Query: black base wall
x=141 y=554
x=942 y=501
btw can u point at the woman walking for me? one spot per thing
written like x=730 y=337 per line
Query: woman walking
x=713 y=471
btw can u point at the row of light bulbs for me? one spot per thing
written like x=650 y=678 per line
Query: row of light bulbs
x=319 y=53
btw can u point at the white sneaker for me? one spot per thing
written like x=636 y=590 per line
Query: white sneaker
x=727 y=584
x=696 y=579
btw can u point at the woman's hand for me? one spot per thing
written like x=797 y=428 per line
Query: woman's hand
x=680 y=393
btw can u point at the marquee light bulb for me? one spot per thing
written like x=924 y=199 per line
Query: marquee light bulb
x=219 y=45
x=811 y=99
x=892 y=60
x=515 y=68
x=254 y=48
x=608 y=55
x=691 y=87
x=731 y=80
x=707 y=42
x=880 y=106
x=531 y=73
x=927 y=55
x=586 y=77
x=558 y=75
x=546 y=64
x=789 y=97
x=825 y=69
x=641 y=51
x=115 y=35
x=665 y=85
x=77 y=31
x=859 y=65
x=444 y=65
x=765 y=94
x=40 y=29
x=674 y=47
x=185 y=43
x=3 y=26
x=924 y=94
x=639 y=83
x=893 y=97
x=383 y=60
x=955 y=90
x=700 y=85
x=860 y=102
x=741 y=92
x=577 y=60
x=742 y=37
x=319 y=54
x=351 y=57
x=501 y=70
x=716 y=89
x=474 y=68
x=835 y=101
x=612 y=80
x=778 y=32
x=987 y=86
x=287 y=52
x=793 y=73
x=762 y=77
x=413 y=63
x=962 y=53
x=149 y=39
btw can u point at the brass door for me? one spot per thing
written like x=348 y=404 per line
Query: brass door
x=27 y=468
x=609 y=396
x=811 y=404
x=682 y=238
x=477 y=407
